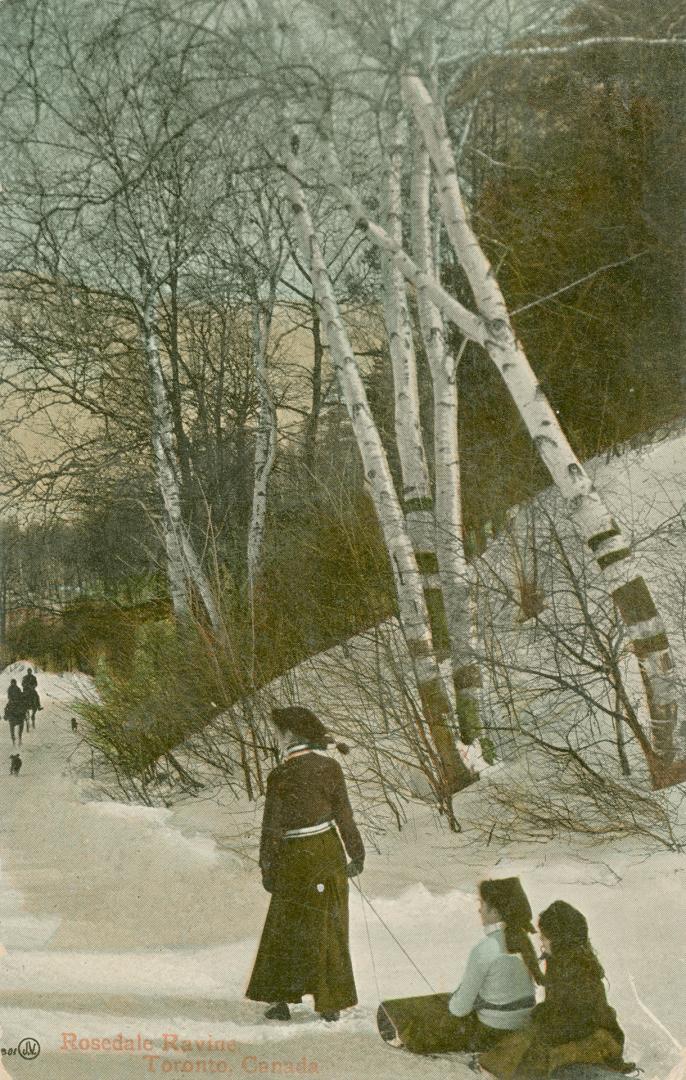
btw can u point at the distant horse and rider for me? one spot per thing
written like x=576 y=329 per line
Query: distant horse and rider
x=29 y=685
x=15 y=711
x=22 y=705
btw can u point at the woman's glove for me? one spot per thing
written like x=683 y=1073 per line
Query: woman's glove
x=354 y=867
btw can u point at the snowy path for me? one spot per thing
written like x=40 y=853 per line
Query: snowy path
x=124 y=920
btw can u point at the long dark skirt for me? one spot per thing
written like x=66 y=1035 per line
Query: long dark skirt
x=304 y=947
x=426 y=1026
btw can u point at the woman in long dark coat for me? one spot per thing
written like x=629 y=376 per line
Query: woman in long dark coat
x=574 y=1025
x=307 y=829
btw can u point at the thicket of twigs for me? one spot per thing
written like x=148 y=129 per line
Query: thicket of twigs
x=239 y=437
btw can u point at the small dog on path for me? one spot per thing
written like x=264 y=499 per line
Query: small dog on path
x=74 y=725
x=15 y=764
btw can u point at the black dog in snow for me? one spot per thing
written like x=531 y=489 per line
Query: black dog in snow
x=15 y=764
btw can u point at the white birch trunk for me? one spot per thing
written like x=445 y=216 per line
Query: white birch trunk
x=417 y=496
x=414 y=619
x=611 y=549
x=415 y=473
x=176 y=575
x=453 y=566
x=183 y=563
x=471 y=325
x=199 y=579
x=265 y=442
x=176 y=570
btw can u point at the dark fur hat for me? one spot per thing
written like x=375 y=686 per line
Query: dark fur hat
x=563 y=925
x=305 y=725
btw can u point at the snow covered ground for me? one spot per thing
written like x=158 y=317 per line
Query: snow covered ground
x=142 y=923
x=135 y=921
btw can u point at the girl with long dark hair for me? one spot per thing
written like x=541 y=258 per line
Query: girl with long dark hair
x=497 y=991
x=574 y=1025
x=307 y=828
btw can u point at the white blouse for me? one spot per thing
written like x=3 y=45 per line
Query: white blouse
x=494 y=976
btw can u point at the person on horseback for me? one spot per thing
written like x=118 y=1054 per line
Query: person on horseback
x=29 y=685
x=13 y=694
x=15 y=710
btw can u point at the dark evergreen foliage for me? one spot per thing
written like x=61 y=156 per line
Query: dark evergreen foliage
x=589 y=187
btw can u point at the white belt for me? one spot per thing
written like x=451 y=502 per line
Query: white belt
x=310 y=830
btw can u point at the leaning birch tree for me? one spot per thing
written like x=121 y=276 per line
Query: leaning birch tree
x=262 y=253
x=434 y=521
x=601 y=533
x=184 y=569
x=452 y=561
x=417 y=498
x=452 y=773
x=598 y=528
x=490 y=326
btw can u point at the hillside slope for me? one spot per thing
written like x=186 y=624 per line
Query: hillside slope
x=136 y=920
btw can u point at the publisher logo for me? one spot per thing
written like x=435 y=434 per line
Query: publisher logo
x=29 y=1049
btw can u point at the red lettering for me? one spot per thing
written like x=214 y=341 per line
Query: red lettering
x=68 y=1040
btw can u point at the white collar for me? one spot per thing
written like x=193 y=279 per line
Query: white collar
x=296 y=749
x=491 y=928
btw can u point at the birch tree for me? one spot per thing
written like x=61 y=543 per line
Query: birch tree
x=452 y=562
x=183 y=565
x=627 y=587
x=163 y=450
x=599 y=530
x=387 y=44
x=265 y=442
x=417 y=496
x=435 y=527
x=133 y=204
x=451 y=771
x=355 y=287
x=266 y=251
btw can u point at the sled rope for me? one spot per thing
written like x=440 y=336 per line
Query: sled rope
x=369 y=943
x=398 y=943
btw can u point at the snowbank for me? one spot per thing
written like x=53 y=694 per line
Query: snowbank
x=121 y=918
